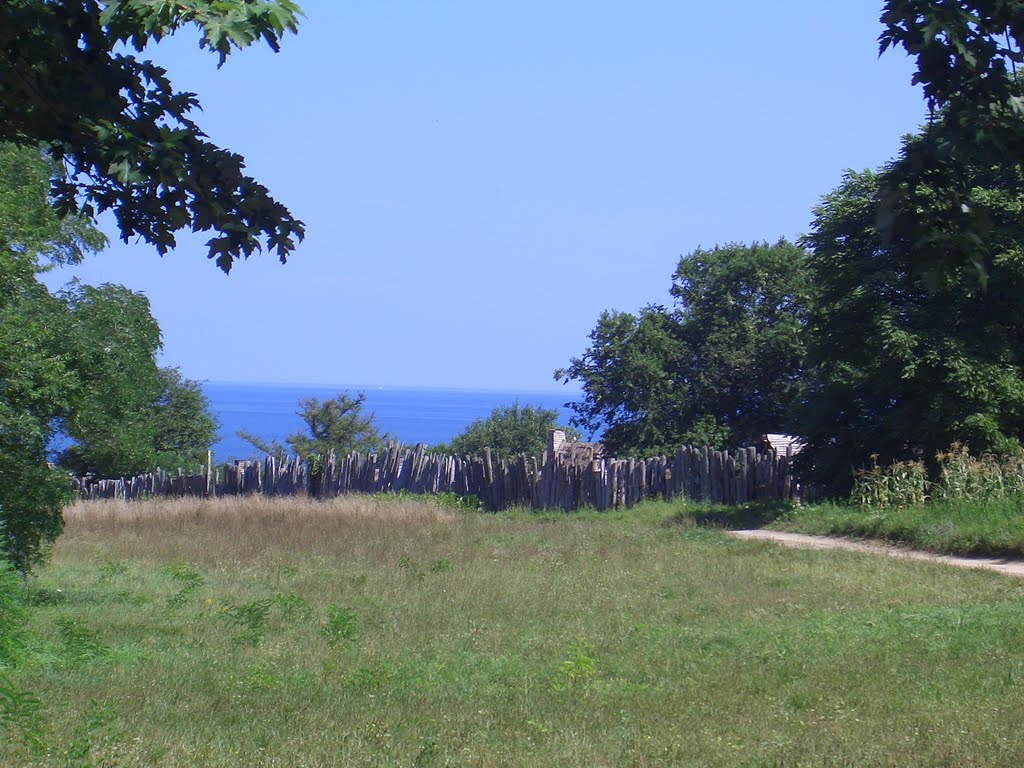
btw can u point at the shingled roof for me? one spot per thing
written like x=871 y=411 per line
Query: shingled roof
x=783 y=444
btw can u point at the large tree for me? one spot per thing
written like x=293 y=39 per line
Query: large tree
x=38 y=380
x=967 y=53
x=114 y=338
x=902 y=364
x=82 y=362
x=128 y=415
x=721 y=367
x=183 y=426
x=125 y=138
x=37 y=384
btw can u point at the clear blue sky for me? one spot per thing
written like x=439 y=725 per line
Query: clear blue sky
x=480 y=180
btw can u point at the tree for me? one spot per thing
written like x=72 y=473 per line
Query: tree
x=27 y=222
x=901 y=365
x=36 y=385
x=337 y=424
x=183 y=426
x=125 y=139
x=510 y=431
x=721 y=368
x=967 y=55
x=114 y=338
x=629 y=379
x=128 y=415
x=38 y=380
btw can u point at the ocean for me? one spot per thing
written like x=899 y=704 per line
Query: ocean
x=408 y=414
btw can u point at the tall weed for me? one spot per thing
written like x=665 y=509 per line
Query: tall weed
x=963 y=477
x=898 y=486
x=959 y=477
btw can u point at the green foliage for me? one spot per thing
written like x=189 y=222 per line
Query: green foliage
x=250 y=617
x=899 y=485
x=81 y=644
x=124 y=136
x=27 y=221
x=959 y=477
x=509 y=431
x=115 y=338
x=111 y=569
x=963 y=477
x=471 y=503
x=32 y=493
x=578 y=667
x=720 y=368
x=967 y=55
x=899 y=364
x=340 y=624
x=129 y=415
x=21 y=715
x=13 y=617
x=184 y=427
x=337 y=424
x=188 y=578
x=441 y=565
x=38 y=380
x=253 y=618
x=83 y=361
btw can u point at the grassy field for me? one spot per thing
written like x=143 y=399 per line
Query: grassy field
x=374 y=632
x=990 y=528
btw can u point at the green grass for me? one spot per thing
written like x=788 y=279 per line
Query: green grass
x=367 y=633
x=983 y=528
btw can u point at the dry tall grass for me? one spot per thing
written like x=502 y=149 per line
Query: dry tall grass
x=253 y=527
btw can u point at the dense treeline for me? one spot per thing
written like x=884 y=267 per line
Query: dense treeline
x=845 y=340
x=719 y=368
x=893 y=329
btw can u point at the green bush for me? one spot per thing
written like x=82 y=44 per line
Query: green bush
x=510 y=431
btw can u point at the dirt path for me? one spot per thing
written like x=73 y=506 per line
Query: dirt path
x=1008 y=567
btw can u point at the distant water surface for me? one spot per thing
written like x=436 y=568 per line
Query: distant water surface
x=411 y=415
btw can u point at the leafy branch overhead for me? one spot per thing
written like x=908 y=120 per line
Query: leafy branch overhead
x=124 y=135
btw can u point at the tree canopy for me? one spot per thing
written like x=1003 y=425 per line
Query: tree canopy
x=509 y=431
x=722 y=367
x=901 y=366
x=967 y=55
x=37 y=376
x=124 y=138
x=81 y=363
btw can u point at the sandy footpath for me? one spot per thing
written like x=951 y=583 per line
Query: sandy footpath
x=1008 y=567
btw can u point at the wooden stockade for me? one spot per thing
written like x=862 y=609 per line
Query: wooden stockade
x=561 y=482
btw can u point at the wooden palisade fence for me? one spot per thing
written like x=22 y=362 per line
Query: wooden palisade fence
x=746 y=474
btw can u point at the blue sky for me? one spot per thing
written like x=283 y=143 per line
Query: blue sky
x=480 y=180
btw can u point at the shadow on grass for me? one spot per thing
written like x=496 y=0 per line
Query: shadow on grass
x=732 y=518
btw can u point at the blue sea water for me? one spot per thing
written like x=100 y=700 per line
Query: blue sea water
x=411 y=415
